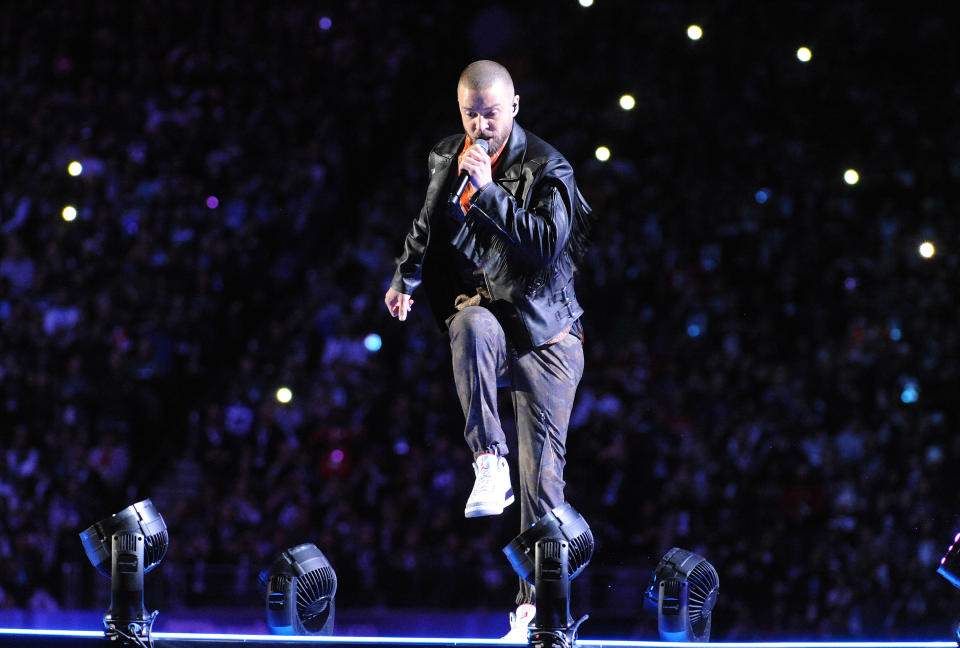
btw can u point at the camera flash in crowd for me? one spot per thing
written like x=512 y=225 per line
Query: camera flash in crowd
x=602 y=153
x=627 y=102
x=586 y=3
x=927 y=250
x=69 y=213
x=804 y=54
x=284 y=395
x=694 y=32
x=851 y=177
x=910 y=392
x=74 y=168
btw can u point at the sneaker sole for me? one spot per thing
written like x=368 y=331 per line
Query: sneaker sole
x=481 y=510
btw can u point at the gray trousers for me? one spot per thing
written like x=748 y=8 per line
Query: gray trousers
x=542 y=382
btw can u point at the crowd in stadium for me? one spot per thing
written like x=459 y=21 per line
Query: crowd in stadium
x=771 y=374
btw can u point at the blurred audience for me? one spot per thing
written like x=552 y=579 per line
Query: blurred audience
x=771 y=374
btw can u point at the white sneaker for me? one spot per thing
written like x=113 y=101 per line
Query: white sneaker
x=491 y=491
x=520 y=623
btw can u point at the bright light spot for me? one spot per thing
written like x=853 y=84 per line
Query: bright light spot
x=586 y=3
x=336 y=457
x=693 y=330
x=69 y=213
x=212 y=202
x=896 y=334
x=627 y=102
x=851 y=177
x=74 y=168
x=850 y=284
x=910 y=393
x=927 y=250
x=373 y=343
x=284 y=395
x=325 y=23
x=694 y=32
x=762 y=195
x=956 y=538
x=602 y=153
x=804 y=54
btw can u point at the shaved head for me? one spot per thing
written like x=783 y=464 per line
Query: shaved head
x=487 y=103
x=481 y=75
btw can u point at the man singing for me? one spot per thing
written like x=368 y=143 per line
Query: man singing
x=497 y=262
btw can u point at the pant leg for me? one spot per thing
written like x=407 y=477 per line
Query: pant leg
x=544 y=385
x=480 y=363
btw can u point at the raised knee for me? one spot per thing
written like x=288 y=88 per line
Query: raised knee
x=475 y=321
x=475 y=325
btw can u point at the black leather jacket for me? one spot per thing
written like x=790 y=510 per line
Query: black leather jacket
x=525 y=230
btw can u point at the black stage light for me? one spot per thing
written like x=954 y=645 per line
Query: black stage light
x=299 y=588
x=950 y=564
x=950 y=569
x=124 y=547
x=551 y=553
x=683 y=592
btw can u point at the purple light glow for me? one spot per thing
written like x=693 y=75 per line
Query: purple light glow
x=325 y=23
x=213 y=202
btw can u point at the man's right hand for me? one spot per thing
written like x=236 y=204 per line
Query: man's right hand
x=398 y=303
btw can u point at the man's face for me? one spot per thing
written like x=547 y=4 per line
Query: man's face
x=488 y=113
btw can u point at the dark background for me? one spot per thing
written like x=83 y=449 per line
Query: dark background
x=755 y=326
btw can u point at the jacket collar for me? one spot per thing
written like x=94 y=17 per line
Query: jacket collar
x=514 y=154
x=511 y=160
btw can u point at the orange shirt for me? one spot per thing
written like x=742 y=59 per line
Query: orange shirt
x=470 y=190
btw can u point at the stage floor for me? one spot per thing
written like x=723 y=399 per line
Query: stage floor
x=21 y=638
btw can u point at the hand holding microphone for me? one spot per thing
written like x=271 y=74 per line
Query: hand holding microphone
x=474 y=168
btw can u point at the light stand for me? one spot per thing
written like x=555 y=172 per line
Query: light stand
x=550 y=554
x=950 y=569
x=299 y=589
x=683 y=593
x=132 y=542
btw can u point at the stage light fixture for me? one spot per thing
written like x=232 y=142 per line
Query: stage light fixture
x=299 y=589
x=683 y=593
x=950 y=564
x=124 y=547
x=550 y=554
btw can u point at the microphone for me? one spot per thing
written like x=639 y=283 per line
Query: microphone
x=464 y=176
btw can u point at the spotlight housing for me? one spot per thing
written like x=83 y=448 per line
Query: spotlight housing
x=562 y=523
x=299 y=589
x=950 y=564
x=683 y=592
x=124 y=547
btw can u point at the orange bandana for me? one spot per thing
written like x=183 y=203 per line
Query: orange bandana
x=470 y=190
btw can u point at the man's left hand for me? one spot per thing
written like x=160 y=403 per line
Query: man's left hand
x=476 y=162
